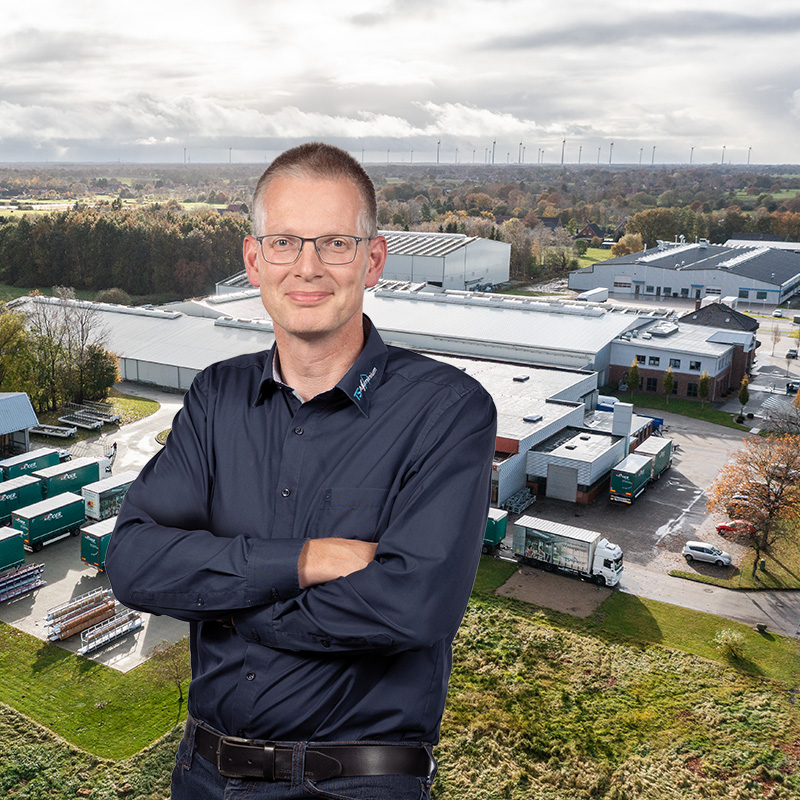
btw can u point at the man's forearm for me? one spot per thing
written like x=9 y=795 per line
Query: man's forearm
x=323 y=560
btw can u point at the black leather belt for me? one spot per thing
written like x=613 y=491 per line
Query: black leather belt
x=272 y=761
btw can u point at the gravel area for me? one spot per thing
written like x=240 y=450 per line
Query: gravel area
x=557 y=592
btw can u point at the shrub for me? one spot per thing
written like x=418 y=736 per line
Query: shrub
x=118 y=296
x=729 y=643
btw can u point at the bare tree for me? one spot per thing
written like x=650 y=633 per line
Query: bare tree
x=169 y=663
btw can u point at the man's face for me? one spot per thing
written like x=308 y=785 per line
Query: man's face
x=310 y=299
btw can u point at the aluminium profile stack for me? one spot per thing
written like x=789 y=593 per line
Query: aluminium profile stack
x=20 y=580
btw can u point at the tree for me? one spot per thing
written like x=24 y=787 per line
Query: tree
x=776 y=337
x=629 y=243
x=669 y=383
x=744 y=393
x=169 y=664
x=633 y=376
x=760 y=485
x=654 y=224
x=704 y=388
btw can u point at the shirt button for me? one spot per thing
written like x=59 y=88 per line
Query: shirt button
x=256 y=637
x=298 y=431
x=286 y=492
x=325 y=643
x=251 y=676
x=200 y=601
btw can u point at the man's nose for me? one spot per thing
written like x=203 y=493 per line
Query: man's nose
x=308 y=261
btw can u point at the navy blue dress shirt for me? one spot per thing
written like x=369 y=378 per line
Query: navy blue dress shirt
x=398 y=452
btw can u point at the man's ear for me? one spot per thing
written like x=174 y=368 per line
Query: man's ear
x=250 y=250
x=377 y=261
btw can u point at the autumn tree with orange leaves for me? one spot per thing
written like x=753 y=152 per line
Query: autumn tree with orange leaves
x=761 y=485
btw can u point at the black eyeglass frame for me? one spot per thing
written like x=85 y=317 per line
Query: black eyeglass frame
x=314 y=239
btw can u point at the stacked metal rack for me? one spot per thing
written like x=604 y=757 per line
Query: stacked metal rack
x=519 y=501
x=80 y=613
x=106 y=632
x=20 y=580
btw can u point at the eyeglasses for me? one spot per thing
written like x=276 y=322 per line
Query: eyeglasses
x=332 y=249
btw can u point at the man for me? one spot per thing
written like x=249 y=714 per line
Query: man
x=317 y=516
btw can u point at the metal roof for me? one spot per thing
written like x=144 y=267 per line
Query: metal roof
x=16 y=412
x=415 y=243
x=557 y=528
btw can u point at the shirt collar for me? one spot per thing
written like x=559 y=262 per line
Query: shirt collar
x=358 y=383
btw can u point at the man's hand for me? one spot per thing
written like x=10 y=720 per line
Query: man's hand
x=323 y=560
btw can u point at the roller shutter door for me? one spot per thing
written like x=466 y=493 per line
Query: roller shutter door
x=562 y=482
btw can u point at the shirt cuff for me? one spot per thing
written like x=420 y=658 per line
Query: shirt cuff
x=272 y=570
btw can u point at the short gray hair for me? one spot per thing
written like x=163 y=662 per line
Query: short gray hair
x=317 y=160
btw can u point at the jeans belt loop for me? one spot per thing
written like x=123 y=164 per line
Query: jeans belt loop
x=265 y=769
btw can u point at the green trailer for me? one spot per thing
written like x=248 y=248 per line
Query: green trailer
x=660 y=452
x=27 y=463
x=94 y=542
x=495 y=530
x=630 y=478
x=18 y=493
x=70 y=476
x=49 y=519
x=12 y=549
x=104 y=497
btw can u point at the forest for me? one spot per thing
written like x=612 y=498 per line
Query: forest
x=174 y=230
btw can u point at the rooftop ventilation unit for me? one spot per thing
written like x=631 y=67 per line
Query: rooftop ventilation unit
x=521 y=378
x=532 y=418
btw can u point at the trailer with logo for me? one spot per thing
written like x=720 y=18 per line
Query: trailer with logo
x=94 y=542
x=12 y=549
x=18 y=493
x=104 y=497
x=630 y=478
x=49 y=519
x=659 y=450
x=71 y=476
x=555 y=546
x=27 y=463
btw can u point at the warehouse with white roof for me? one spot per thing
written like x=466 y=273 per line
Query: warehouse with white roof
x=444 y=260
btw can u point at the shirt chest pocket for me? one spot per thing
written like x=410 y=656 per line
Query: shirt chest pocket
x=350 y=512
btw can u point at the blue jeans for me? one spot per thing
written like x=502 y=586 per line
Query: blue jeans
x=194 y=778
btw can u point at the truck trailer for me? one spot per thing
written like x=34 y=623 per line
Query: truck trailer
x=12 y=549
x=71 y=476
x=27 y=463
x=94 y=542
x=630 y=478
x=495 y=530
x=659 y=450
x=49 y=519
x=104 y=497
x=555 y=546
x=18 y=493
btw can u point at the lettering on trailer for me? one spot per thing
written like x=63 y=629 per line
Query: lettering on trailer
x=8 y=496
x=28 y=465
x=52 y=515
x=68 y=476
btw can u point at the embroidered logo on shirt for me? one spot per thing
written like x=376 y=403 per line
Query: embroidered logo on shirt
x=363 y=383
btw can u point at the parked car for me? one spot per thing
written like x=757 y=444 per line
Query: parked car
x=701 y=551
x=777 y=313
x=791 y=352
x=735 y=526
x=792 y=387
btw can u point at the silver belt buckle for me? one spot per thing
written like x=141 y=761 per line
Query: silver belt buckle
x=259 y=761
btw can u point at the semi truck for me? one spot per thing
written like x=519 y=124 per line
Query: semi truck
x=49 y=519
x=555 y=546
x=72 y=475
x=27 y=463
x=659 y=450
x=94 y=542
x=630 y=478
x=103 y=498
x=495 y=530
x=18 y=493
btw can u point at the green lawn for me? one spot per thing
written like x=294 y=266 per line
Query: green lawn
x=593 y=255
x=679 y=405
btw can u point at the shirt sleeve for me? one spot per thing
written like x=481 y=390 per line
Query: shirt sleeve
x=415 y=592
x=162 y=557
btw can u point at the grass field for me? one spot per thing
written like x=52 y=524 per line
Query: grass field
x=593 y=255
x=678 y=405
x=632 y=703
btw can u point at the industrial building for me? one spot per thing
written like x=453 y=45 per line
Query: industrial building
x=759 y=274
x=445 y=260
x=16 y=418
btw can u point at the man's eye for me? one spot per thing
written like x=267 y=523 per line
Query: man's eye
x=280 y=241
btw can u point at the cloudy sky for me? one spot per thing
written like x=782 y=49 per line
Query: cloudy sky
x=239 y=80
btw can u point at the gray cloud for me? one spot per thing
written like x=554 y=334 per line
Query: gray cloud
x=648 y=29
